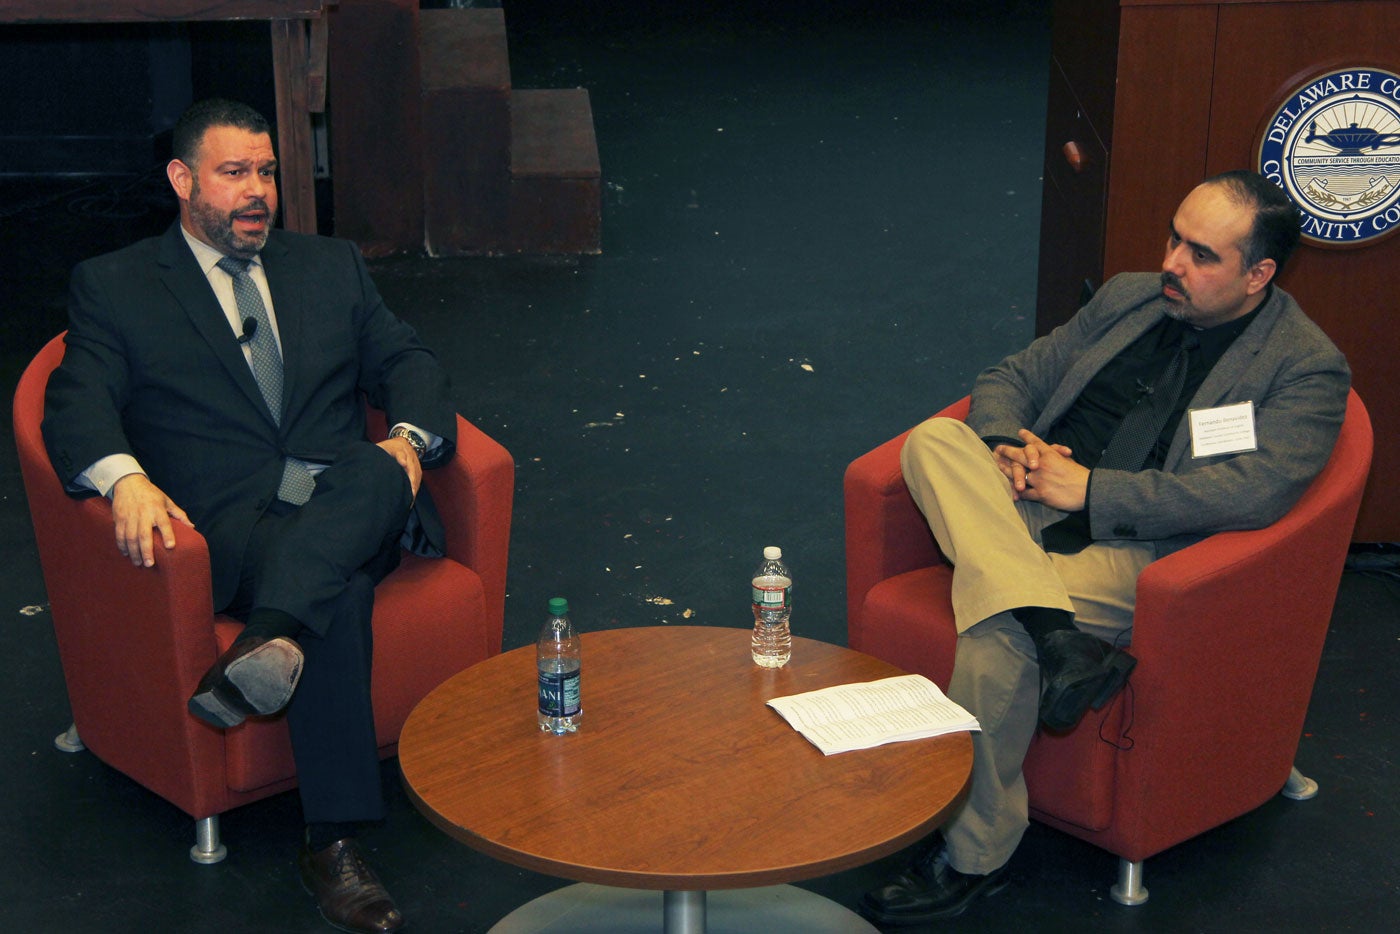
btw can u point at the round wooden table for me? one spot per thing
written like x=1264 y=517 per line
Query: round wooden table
x=679 y=779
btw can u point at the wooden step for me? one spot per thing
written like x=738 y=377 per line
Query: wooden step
x=556 y=177
x=463 y=48
x=466 y=127
x=376 y=124
x=504 y=170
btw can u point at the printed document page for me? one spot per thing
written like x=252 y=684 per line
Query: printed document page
x=872 y=713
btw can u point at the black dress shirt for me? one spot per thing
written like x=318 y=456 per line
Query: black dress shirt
x=1089 y=424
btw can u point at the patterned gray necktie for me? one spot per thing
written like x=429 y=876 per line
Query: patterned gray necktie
x=297 y=482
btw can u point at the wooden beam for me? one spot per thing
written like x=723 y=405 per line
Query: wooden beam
x=155 y=11
x=294 y=145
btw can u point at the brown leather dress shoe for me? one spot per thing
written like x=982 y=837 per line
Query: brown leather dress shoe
x=255 y=676
x=349 y=894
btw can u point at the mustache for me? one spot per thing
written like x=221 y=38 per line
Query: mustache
x=1171 y=281
x=253 y=206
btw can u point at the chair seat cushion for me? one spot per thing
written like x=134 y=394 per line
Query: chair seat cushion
x=907 y=620
x=422 y=615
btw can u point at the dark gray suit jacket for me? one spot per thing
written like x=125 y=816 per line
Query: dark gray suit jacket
x=1282 y=362
x=153 y=369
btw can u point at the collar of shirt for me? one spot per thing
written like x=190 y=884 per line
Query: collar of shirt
x=1215 y=341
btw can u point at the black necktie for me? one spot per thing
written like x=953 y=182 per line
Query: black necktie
x=1137 y=434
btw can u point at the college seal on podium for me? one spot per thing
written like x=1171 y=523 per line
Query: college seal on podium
x=1334 y=146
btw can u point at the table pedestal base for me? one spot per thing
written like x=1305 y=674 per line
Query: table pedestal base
x=601 y=909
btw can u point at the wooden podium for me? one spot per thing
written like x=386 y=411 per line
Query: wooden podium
x=1148 y=97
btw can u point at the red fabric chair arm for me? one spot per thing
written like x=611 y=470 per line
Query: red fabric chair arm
x=1228 y=636
x=143 y=638
x=474 y=493
x=886 y=534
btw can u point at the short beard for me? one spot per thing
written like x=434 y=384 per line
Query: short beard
x=218 y=227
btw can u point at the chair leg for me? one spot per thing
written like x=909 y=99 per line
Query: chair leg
x=1299 y=787
x=68 y=740
x=207 y=848
x=1129 y=890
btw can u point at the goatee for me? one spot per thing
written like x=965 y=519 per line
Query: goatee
x=218 y=227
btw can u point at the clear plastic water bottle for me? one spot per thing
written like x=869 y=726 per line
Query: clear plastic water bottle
x=772 y=607
x=559 y=662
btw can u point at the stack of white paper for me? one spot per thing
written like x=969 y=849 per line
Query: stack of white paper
x=872 y=713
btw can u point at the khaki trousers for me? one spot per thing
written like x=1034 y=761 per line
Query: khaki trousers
x=993 y=543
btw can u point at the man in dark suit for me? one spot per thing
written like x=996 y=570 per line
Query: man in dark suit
x=215 y=376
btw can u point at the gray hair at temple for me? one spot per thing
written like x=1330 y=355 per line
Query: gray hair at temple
x=1275 y=232
x=200 y=116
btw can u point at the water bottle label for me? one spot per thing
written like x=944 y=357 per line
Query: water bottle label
x=781 y=596
x=559 y=693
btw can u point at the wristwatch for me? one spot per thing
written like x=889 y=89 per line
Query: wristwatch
x=420 y=447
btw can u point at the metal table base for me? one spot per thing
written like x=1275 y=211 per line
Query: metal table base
x=601 y=909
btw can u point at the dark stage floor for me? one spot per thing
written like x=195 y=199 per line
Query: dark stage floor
x=819 y=224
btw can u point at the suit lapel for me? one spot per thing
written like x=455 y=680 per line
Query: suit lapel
x=1228 y=372
x=288 y=304
x=181 y=274
x=1222 y=384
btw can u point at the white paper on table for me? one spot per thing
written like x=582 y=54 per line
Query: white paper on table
x=873 y=713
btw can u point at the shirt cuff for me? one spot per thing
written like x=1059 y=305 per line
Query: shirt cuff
x=104 y=473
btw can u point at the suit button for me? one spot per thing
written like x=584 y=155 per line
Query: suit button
x=1124 y=531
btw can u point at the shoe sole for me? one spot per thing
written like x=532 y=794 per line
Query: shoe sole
x=261 y=682
x=994 y=884
x=267 y=676
x=1069 y=708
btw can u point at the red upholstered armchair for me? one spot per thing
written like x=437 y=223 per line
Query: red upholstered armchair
x=134 y=641
x=1228 y=634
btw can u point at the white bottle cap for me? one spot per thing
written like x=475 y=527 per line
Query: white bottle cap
x=772 y=553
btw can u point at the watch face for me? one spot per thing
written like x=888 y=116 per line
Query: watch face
x=412 y=437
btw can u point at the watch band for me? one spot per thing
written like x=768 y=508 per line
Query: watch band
x=420 y=447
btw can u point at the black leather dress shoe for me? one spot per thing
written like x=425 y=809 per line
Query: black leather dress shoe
x=929 y=890
x=255 y=676
x=349 y=894
x=1078 y=671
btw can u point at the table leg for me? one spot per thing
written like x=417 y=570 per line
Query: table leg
x=684 y=912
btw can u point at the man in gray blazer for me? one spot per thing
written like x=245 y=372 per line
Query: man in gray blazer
x=216 y=376
x=1171 y=407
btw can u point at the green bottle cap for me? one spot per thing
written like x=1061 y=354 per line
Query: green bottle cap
x=558 y=606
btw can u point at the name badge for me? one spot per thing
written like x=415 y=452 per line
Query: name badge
x=1225 y=429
